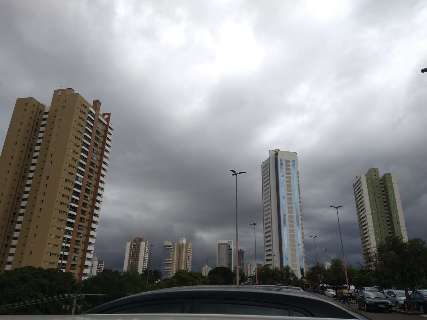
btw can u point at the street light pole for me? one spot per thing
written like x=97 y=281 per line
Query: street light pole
x=342 y=246
x=236 y=173
x=253 y=224
x=314 y=237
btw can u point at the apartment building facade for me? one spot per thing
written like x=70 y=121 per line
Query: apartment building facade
x=224 y=254
x=379 y=211
x=137 y=255
x=282 y=212
x=177 y=256
x=53 y=162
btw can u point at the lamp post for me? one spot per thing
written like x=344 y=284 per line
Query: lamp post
x=236 y=173
x=253 y=224
x=314 y=237
x=342 y=246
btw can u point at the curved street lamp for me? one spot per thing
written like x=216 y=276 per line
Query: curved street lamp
x=236 y=173
x=253 y=225
x=342 y=246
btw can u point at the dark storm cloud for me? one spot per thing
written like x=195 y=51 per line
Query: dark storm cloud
x=198 y=88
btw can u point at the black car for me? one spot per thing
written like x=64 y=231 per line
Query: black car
x=418 y=299
x=373 y=300
x=228 y=300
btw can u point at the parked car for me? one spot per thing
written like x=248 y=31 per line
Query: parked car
x=373 y=300
x=418 y=300
x=397 y=297
x=228 y=301
x=330 y=293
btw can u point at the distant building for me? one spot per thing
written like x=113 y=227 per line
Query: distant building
x=94 y=267
x=168 y=260
x=224 y=256
x=97 y=266
x=205 y=270
x=249 y=269
x=100 y=267
x=379 y=211
x=177 y=257
x=137 y=255
x=183 y=255
x=52 y=178
x=281 y=199
x=241 y=257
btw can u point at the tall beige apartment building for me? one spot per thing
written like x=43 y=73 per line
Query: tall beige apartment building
x=137 y=255
x=52 y=170
x=178 y=256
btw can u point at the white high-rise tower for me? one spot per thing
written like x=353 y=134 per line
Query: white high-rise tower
x=283 y=226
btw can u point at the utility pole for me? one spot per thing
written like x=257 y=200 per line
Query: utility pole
x=314 y=237
x=253 y=224
x=342 y=246
x=236 y=173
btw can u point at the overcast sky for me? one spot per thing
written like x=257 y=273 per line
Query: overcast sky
x=196 y=88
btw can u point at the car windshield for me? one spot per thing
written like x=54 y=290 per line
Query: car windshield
x=399 y=293
x=374 y=294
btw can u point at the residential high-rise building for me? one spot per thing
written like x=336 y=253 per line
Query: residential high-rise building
x=241 y=257
x=379 y=211
x=137 y=255
x=94 y=267
x=205 y=270
x=52 y=172
x=249 y=269
x=224 y=254
x=183 y=255
x=100 y=267
x=283 y=225
x=168 y=259
x=177 y=257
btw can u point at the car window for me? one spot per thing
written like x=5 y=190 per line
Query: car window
x=160 y=306
x=213 y=307
x=373 y=294
x=224 y=302
x=400 y=293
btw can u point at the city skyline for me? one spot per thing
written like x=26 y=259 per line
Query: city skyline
x=202 y=87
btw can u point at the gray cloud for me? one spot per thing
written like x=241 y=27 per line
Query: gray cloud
x=198 y=88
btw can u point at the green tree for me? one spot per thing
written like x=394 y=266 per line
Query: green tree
x=402 y=264
x=220 y=275
x=284 y=276
x=335 y=275
x=30 y=283
x=363 y=277
x=315 y=276
x=183 y=278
